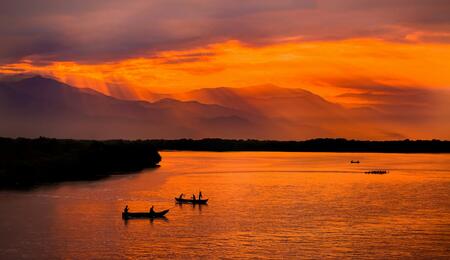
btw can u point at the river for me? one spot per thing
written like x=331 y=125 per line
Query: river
x=261 y=205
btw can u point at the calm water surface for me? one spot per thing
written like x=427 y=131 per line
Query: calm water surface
x=262 y=205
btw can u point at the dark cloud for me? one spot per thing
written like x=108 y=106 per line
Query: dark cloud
x=387 y=94
x=102 y=30
x=186 y=58
x=407 y=104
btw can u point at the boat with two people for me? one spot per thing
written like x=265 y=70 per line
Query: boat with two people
x=151 y=214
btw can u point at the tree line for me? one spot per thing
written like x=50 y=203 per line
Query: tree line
x=27 y=162
x=313 y=145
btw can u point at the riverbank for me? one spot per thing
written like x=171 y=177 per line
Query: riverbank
x=25 y=163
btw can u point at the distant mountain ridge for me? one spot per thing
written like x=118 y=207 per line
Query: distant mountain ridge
x=39 y=106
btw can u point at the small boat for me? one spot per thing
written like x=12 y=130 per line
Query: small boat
x=191 y=201
x=354 y=161
x=377 y=172
x=160 y=214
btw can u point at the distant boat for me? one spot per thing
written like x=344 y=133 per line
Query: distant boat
x=128 y=215
x=178 y=200
x=354 y=161
x=377 y=172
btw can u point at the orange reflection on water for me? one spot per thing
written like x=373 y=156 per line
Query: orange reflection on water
x=291 y=205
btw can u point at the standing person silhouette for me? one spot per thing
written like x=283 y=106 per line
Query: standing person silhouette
x=193 y=197
x=200 y=195
x=152 y=211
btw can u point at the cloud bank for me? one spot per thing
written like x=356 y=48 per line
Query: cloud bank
x=106 y=30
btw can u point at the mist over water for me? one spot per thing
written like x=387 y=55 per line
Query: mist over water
x=262 y=204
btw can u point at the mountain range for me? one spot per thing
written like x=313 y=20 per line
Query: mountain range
x=40 y=106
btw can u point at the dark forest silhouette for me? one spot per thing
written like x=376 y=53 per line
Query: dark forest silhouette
x=313 y=145
x=27 y=162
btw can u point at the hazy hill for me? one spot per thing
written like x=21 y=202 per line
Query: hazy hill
x=270 y=100
x=299 y=113
x=41 y=106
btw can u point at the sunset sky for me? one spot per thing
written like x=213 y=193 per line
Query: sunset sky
x=356 y=53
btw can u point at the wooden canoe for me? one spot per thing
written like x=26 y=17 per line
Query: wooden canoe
x=129 y=215
x=190 y=201
x=377 y=172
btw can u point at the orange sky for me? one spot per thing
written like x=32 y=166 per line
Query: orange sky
x=386 y=62
x=321 y=67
